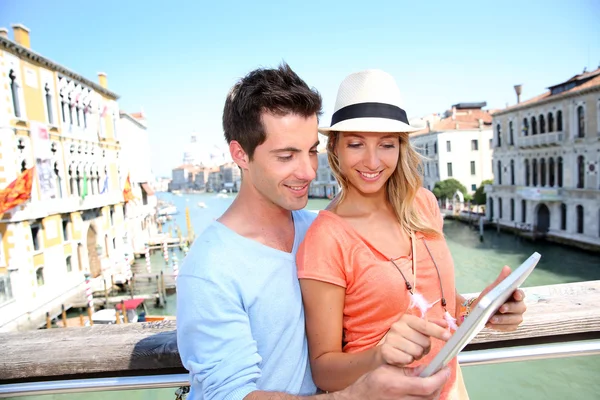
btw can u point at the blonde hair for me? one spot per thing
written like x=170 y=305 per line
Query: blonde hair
x=402 y=186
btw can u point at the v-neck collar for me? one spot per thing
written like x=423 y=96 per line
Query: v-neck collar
x=370 y=245
x=263 y=247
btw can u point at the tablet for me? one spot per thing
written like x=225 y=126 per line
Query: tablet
x=480 y=315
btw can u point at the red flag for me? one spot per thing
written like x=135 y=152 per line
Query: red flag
x=127 y=193
x=17 y=192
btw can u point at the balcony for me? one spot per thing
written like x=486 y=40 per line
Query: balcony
x=540 y=193
x=43 y=208
x=541 y=140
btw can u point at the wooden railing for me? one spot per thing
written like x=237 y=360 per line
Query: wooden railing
x=556 y=314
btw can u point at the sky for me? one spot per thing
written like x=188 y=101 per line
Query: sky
x=176 y=60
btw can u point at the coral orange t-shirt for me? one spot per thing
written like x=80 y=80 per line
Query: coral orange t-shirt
x=376 y=294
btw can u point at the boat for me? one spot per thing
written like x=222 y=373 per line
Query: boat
x=168 y=210
x=202 y=204
x=136 y=311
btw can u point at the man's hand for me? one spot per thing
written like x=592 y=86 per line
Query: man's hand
x=510 y=314
x=393 y=383
x=409 y=339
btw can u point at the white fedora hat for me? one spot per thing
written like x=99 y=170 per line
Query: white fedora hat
x=369 y=101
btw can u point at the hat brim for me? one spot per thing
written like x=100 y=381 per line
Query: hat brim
x=382 y=125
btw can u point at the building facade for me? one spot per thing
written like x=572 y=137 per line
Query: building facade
x=324 y=185
x=546 y=158
x=457 y=144
x=135 y=163
x=64 y=125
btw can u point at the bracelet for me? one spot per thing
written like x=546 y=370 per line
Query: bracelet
x=465 y=307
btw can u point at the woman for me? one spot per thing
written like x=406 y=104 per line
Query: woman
x=376 y=274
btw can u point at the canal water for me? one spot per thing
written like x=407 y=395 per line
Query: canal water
x=477 y=264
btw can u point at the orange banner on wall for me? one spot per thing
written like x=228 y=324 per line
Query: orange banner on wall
x=17 y=192
x=127 y=192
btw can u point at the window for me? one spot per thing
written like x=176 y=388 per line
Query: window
x=579 y=219
x=112 y=216
x=39 y=276
x=559 y=127
x=512 y=209
x=559 y=175
x=5 y=289
x=525 y=127
x=499 y=172
x=63 y=106
x=473 y=187
x=580 y=171
x=36 y=236
x=523 y=211
x=533 y=126
x=542 y=124
x=58 y=179
x=49 y=104
x=580 y=122
x=65 y=229
x=491 y=144
x=428 y=170
x=427 y=149
x=114 y=243
x=15 y=93
x=499 y=207
x=448 y=146
x=472 y=167
x=449 y=168
x=550 y=122
x=511 y=134
x=434 y=147
x=543 y=172
x=499 y=135
x=474 y=145
x=551 y=172
x=535 y=172
x=512 y=172
x=527 y=180
x=69 y=264
x=563 y=217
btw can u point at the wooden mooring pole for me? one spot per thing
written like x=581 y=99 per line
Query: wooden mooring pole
x=161 y=300
x=64 y=315
x=90 y=312
x=481 y=229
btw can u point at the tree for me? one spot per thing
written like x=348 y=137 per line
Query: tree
x=446 y=189
x=480 y=197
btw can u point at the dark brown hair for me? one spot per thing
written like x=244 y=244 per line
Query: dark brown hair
x=277 y=91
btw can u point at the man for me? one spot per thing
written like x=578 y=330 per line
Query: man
x=240 y=320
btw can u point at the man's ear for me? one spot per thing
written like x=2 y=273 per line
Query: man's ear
x=238 y=155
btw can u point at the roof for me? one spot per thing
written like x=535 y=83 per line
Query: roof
x=579 y=83
x=16 y=48
x=130 y=304
x=146 y=187
x=138 y=115
x=462 y=106
x=464 y=119
x=130 y=117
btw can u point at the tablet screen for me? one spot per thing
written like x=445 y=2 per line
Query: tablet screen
x=479 y=316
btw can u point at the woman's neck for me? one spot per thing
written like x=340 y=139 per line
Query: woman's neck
x=358 y=203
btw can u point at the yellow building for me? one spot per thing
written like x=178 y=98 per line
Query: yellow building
x=64 y=125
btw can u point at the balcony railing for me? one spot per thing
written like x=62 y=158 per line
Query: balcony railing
x=541 y=140
x=561 y=321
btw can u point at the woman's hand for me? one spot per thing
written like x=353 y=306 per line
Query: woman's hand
x=510 y=314
x=409 y=340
